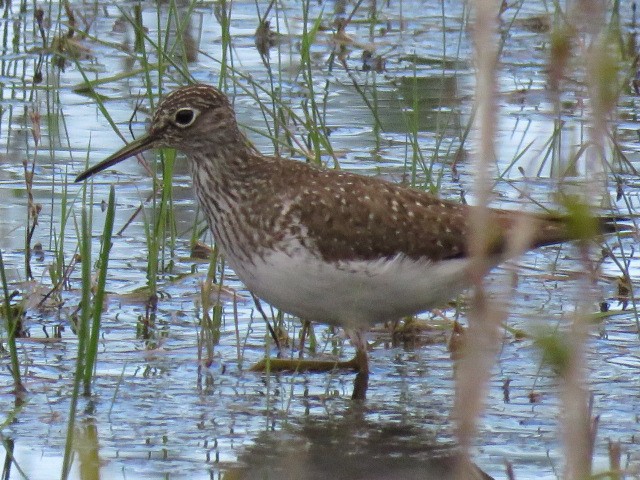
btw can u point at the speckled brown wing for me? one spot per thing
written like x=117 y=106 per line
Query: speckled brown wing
x=350 y=217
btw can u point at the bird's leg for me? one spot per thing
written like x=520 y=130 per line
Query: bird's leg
x=361 y=360
x=360 y=386
x=273 y=333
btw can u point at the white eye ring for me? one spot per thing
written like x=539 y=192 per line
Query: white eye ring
x=184 y=117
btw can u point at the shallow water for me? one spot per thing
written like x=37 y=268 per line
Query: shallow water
x=156 y=411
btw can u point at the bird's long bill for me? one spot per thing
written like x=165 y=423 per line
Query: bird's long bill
x=143 y=143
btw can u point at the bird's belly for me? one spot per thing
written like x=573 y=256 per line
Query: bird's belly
x=352 y=293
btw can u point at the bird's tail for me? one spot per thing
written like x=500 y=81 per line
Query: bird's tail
x=558 y=228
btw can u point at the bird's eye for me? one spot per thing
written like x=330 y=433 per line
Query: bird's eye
x=185 y=117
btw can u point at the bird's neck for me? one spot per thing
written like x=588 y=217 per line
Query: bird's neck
x=222 y=162
x=225 y=183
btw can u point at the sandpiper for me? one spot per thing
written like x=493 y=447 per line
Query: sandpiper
x=325 y=245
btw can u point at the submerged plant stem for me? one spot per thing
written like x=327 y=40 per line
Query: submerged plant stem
x=11 y=325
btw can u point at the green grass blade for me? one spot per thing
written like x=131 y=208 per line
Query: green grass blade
x=83 y=324
x=92 y=346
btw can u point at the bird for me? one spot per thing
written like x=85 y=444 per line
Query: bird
x=327 y=245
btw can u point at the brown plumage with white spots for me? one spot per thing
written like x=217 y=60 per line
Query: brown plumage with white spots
x=326 y=245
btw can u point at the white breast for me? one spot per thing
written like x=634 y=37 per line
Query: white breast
x=352 y=293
